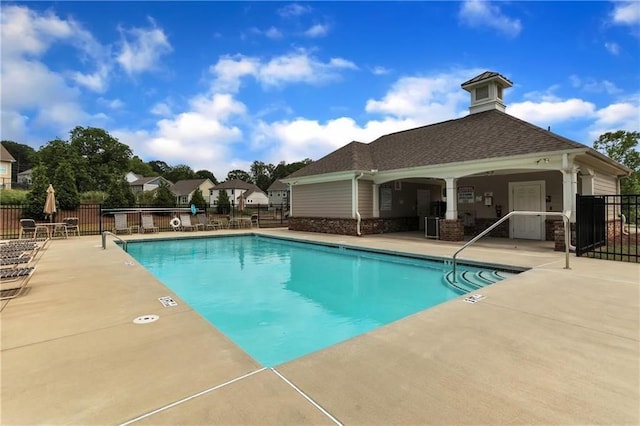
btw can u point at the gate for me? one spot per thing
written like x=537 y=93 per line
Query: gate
x=607 y=226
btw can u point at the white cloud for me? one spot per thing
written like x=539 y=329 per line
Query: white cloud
x=317 y=31
x=480 y=13
x=546 y=112
x=626 y=13
x=36 y=97
x=274 y=33
x=202 y=136
x=594 y=86
x=296 y=67
x=142 y=49
x=613 y=48
x=624 y=115
x=427 y=99
x=114 y=104
x=380 y=70
x=293 y=10
x=161 y=108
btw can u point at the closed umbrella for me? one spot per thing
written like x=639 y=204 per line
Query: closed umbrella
x=241 y=202
x=50 y=204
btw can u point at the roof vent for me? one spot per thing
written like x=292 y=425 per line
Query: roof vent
x=486 y=91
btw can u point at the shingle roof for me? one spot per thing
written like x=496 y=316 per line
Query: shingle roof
x=237 y=184
x=278 y=185
x=483 y=135
x=185 y=187
x=5 y=155
x=484 y=76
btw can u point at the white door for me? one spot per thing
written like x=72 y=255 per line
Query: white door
x=422 y=207
x=527 y=196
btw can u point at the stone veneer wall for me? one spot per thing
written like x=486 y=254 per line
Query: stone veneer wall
x=344 y=226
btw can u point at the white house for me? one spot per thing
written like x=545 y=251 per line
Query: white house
x=236 y=187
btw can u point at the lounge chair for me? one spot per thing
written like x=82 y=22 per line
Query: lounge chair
x=148 y=225
x=185 y=223
x=205 y=223
x=18 y=277
x=72 y=225
x=30 y=228
x=20 y=260
x=121 y=223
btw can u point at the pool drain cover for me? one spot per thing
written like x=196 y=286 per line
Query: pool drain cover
x=145 y=319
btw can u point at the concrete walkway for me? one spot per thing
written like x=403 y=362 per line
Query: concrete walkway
x=549 y=346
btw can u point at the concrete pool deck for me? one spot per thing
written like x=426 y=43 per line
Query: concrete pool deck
x=549 y=346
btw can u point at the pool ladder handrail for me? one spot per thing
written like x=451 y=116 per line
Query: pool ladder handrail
x=565 y=219
x=104 y=240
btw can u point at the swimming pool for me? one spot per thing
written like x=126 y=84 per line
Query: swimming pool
x=279 y=299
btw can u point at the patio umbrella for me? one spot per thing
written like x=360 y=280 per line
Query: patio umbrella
x=241 y=202
x=50 y=203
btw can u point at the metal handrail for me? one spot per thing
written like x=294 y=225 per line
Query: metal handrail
x=565 y=219
x=104 y=240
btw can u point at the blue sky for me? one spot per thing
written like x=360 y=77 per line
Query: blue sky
x=217 y=85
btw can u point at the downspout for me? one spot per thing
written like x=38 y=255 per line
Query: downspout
x=355 y=191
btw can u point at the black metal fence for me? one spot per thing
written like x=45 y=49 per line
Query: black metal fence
x=607 y=226
x=94 y=218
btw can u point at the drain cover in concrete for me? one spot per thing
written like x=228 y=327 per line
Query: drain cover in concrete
x=145 y=319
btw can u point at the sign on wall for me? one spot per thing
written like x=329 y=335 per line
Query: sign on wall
x=466 y=194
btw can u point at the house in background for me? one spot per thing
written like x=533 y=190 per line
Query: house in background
x=6 y=163
x=235 y=188
x=184 y=189
x=278 y=193
x=150 y=183
x=466 y=173
x=25 y=178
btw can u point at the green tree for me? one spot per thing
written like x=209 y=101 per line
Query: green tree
x=224 y=204
x=36 y=197
x=25 y=156
x=139 y=167
x=146 y=198
x=104 y=157
x=179 y=172
x=239 y=174
x=65 y=186
x=160 y=167
x=206 y=174
x=57 y=151
x=120 y=194
x=164 y=196
x=198 y=200
x=621 y=146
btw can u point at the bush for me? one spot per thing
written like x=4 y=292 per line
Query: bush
x=12 y=196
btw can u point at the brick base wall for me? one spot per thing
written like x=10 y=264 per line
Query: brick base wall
x=558 y=235
x=451 y=230
x=344 y=226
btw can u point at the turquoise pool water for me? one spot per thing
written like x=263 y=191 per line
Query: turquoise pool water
x=279 y=300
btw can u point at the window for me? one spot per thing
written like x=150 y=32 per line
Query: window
x=3 y=169
x=499 y=92
x=482 y=92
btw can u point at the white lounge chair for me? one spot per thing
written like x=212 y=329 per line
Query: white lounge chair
x=121 y=223
x=147 y=224
x=185 y=223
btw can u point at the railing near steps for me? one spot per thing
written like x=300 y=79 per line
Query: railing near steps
x=567 y=234
x=104 y=240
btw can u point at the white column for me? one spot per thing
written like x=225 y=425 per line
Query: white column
x=587 y=181
x=452 y=199
x=376 y=200
x=569 y=191
x=290 y=200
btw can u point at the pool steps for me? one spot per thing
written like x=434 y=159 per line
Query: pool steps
x=468 y=281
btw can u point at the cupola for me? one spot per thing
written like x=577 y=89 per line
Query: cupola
x=486 y=91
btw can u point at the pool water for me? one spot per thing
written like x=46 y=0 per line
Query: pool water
x=279 y=300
